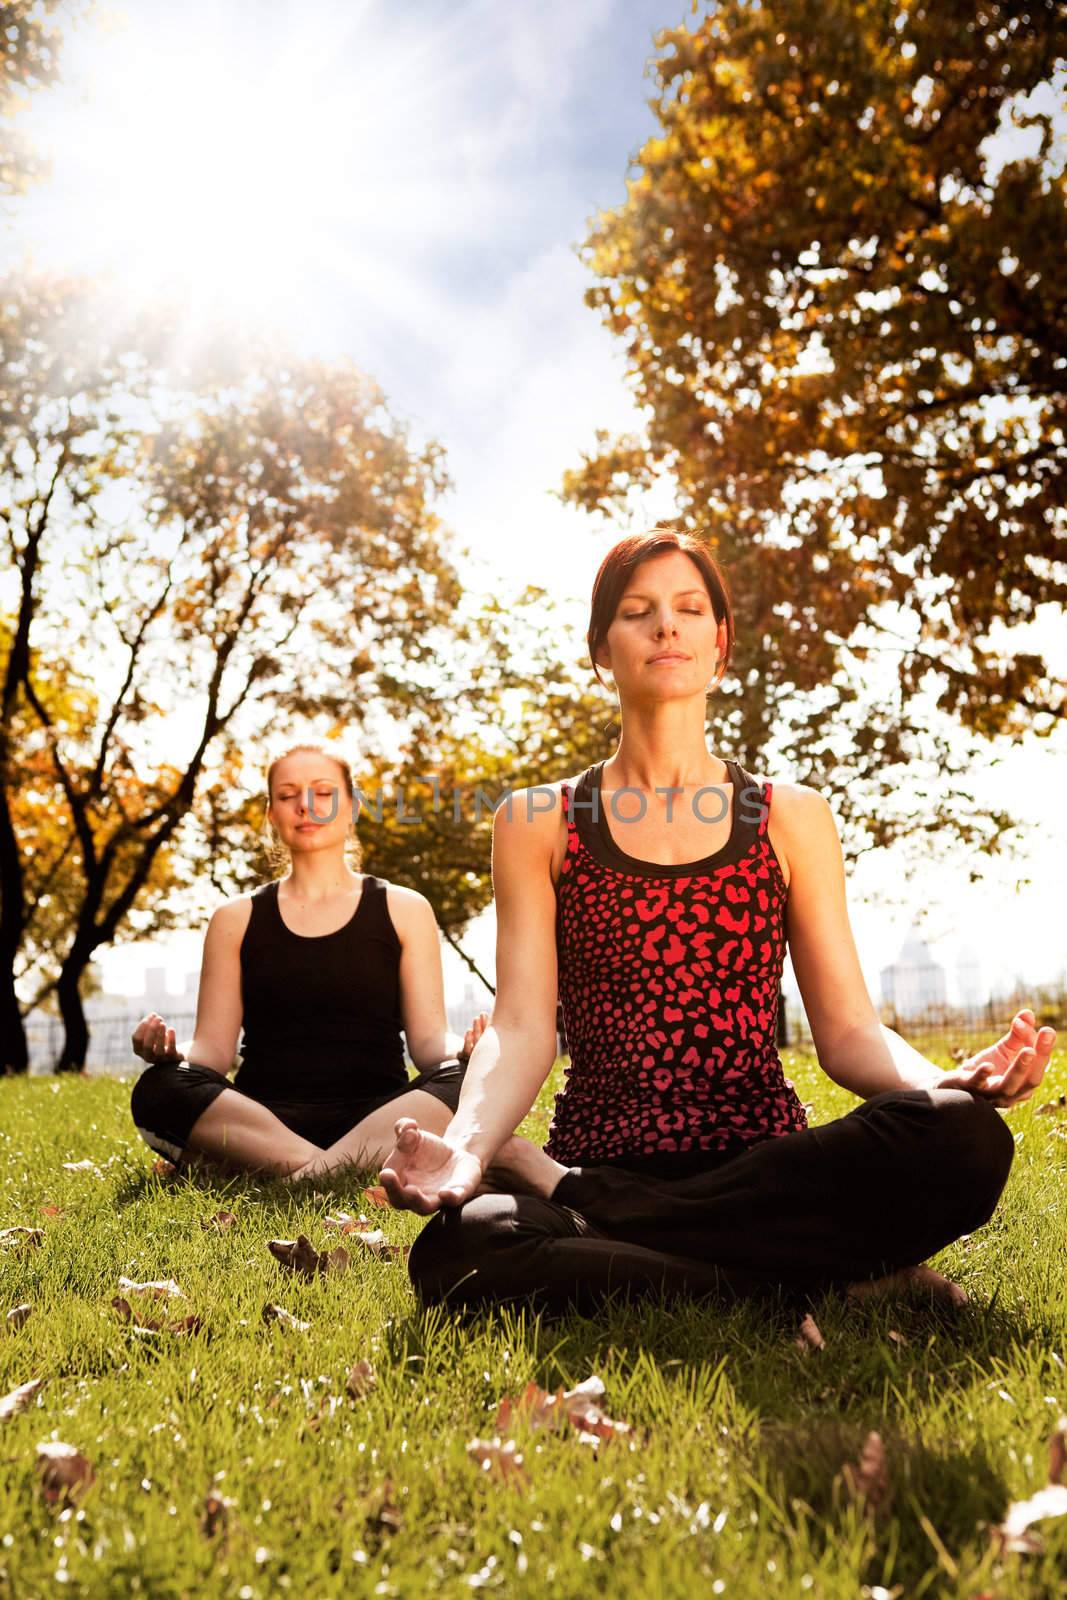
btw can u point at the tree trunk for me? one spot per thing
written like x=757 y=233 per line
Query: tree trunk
x=76 y=1029
x=14 y=1055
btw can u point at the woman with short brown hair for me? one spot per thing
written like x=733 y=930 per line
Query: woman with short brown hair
x=656 y=896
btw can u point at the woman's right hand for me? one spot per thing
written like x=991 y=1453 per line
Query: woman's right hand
x=423 y=1172
x=154 y=1042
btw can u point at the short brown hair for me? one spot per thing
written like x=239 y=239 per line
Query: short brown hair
x=619 y=565
x=277 y=854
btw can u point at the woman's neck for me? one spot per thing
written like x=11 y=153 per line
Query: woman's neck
x=663 y=750
x=320 y=876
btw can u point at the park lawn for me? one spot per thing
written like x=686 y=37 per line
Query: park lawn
x=730 y=1481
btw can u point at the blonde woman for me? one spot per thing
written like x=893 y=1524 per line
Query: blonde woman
x=322 y=968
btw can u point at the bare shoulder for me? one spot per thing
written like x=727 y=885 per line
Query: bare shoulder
x=537 y=808
x=800 y=822
x=795 y=802
x=231 y=918
x=408 y=909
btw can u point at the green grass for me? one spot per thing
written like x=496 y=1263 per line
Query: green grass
x=730 y=1482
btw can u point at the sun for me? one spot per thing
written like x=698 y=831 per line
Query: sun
x=236 y=159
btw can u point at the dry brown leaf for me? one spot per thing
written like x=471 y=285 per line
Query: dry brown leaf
x=361 y=1380
x=164 y=1168
x=1052 y=1108
x=20 y=1240
x=11 y=1404
x=142 y=1323
x=897 y=1338
x=1013 y=1534
x=159 y=1289
x=809 y=1337
x=1057 y=1451
x=344 y=1222
x=383 y=1513
x=577 y=1408
x=378 y=1245
x=17 y=1316
x=65 y=1472
x=215 y=1515
x=498 y=1458
x=868 y=1479
x=300 y=1256
x=51 y=1211
x=376 y=1196
x=219 y=1222
x=284 y=1319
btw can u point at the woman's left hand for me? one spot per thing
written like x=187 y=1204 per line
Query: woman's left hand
x=473 y=1034
x=1008 y=1072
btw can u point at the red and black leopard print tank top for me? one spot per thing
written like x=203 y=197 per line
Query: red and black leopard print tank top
x=669 y=979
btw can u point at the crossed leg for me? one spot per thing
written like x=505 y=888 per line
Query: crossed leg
x=237 y=1132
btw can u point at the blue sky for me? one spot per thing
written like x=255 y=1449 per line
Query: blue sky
x=406 y=186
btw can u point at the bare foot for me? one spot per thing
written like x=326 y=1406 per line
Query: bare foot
x=519 y=1167
x=936 y=1285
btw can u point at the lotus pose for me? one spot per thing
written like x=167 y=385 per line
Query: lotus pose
x=323 y=967
x=656 y=893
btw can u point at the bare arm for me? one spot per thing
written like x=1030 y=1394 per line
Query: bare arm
x=422 y=987
x=514 y=1055
x=854 y=1048
x=219 y=1007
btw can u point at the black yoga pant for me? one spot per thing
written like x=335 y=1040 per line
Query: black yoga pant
x=167 y=1100
x=885 y=1187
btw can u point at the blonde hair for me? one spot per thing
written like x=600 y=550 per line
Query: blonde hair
x=277 y=854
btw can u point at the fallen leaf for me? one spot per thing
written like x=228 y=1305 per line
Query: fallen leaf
x=219 y=1222
x=284 y=1319
x=83 y=1166
x=1051 y=1501
x=300 y=1256
x=1052 y=1108
x=1057 y=1451
x=810 y=1338
x=376 y=1242
x=897 y=1338
x=868 y=1479
x=11 y=1404
x=577 y=1408
x=146 y=1324
x=164 y=1168
x=497 y=1458
x=326 y=1408
x=17 y=1316
x=51 y=1211
x=215 y=1515
x=383 y=1513
x=1013 y=1533
x=21 y=1239
x=65 y=1473
x=376 y=1196
x=361 y=1380
x=160 y=1289
x=344 y=1222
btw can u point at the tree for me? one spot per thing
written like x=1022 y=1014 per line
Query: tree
x=29 y=51
x=844 y=317
x=221 y=564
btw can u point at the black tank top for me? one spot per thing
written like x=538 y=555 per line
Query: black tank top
x=321 y=1013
